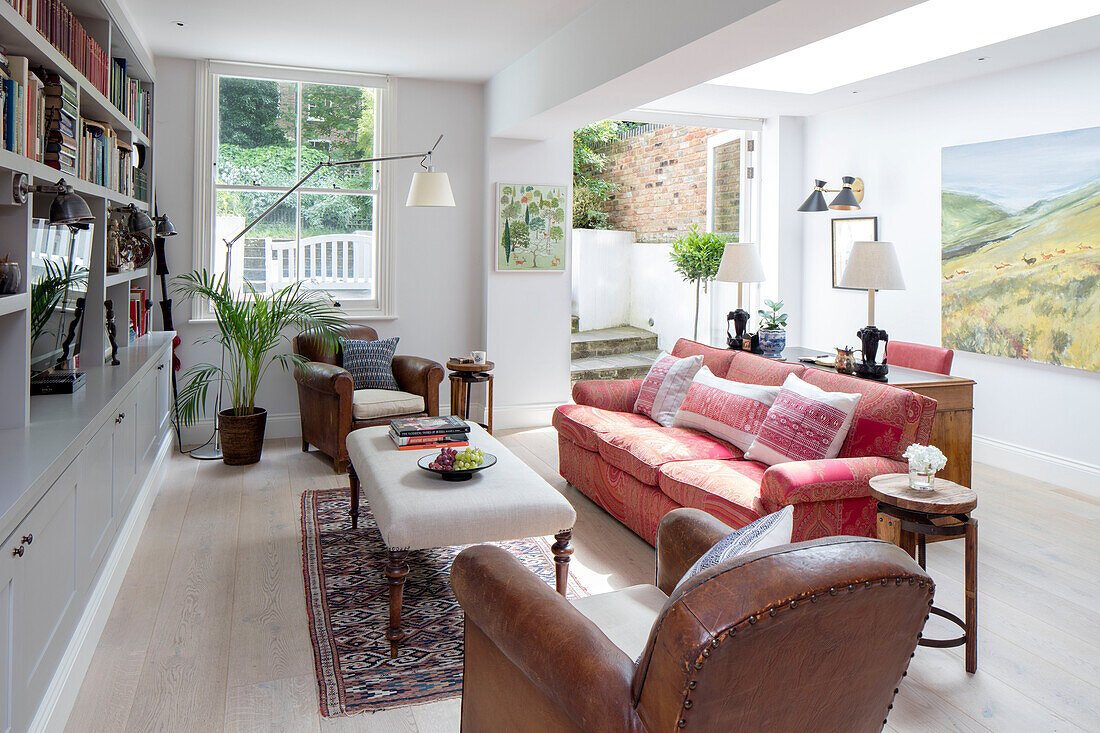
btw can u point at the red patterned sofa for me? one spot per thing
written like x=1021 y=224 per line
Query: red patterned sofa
x=639 y=471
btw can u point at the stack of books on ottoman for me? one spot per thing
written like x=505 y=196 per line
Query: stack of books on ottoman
x=422 y=433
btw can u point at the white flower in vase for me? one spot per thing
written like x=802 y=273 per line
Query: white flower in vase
x=924 y=462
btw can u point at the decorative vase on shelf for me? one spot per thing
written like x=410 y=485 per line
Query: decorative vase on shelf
x=772 y=342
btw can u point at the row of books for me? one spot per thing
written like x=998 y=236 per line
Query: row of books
x=140 y=321
x=67 y=34
x=421 y=433
x=131 y=99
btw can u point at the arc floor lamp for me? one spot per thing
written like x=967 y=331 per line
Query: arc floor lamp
x=428 y=188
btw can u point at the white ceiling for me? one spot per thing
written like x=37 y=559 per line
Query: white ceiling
x=440 y=39
x=715 y=99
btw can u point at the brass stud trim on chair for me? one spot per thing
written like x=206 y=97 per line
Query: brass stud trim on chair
x=687 y=704
x=832 y=591
x=681 y=723
x=693 y=683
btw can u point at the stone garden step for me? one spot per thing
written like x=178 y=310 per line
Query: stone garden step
x=611 y=341
x=634 y=365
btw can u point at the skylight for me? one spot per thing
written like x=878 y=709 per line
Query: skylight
x=932 y=30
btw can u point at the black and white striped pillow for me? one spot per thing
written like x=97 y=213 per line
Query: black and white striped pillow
x=370 y=362
x=769 y=531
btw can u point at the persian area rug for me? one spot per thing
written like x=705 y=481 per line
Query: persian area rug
x=347 y=600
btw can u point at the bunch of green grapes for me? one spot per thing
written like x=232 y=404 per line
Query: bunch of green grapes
x=469 y=459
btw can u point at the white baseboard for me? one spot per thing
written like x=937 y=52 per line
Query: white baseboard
x=1065 y=472
x=57 y=704
x=285 y=425
x=535 y=415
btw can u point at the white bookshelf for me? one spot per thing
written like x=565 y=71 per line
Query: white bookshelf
x=20 y=38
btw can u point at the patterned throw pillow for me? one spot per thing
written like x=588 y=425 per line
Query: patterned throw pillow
x=805 y=423
x=665 y=387
x=730 y=411
x=370 y=362
x=769 y=531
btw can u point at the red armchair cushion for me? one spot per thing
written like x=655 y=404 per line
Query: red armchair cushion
x=824 y=480
x=920 y=356
x=761 y=370
x=729 y=490
x=582 y=424
x=642 y=452
x=887 y=419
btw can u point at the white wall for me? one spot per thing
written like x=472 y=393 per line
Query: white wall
x=439 y=253
x=660 y=294
x=601 y=285
x=527 y=314
x=1028 y=417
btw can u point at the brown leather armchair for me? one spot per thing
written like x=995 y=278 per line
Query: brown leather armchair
x=809 y=636
x=330 y=408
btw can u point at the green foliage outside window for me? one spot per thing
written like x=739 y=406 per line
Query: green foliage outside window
x=591 y=193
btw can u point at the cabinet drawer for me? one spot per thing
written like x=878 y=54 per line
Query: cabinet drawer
x=164 y=392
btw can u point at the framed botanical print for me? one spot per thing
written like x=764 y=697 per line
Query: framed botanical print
x=845 y=232
x=530 y=230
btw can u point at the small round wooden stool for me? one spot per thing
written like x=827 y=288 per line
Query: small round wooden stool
x=906 y=516
x=462 y=376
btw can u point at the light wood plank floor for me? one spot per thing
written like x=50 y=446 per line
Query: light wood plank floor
x=209 y=629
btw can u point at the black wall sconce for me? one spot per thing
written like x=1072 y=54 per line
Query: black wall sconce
x=848 y=196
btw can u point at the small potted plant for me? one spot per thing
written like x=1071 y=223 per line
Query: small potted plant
x=773 y=329
x=251 y=326
x=924 y=462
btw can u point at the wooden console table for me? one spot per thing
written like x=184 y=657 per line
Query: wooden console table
x=952 y=432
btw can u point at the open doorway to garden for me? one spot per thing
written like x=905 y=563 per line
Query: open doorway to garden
x=640 y=191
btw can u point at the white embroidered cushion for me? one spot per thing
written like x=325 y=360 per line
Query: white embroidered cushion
x=769 y=531
x=664 y=388
x=804 y=423
x=728 y=410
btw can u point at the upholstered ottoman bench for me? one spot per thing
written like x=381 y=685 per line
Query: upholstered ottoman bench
x=416 y=510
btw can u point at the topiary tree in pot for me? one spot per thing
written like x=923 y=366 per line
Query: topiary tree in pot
x=251 y=328
x=696 y=256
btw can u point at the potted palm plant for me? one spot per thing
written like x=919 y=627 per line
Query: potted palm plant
x=251 y=327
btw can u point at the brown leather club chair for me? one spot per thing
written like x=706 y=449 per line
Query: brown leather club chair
x=810 y=636
x=330 y=408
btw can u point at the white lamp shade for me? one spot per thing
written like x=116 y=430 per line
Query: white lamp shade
x=873 y=266
x=740 y=264
x=430 y=189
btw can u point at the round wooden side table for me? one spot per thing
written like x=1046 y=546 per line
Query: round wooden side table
x=463 y=376
x=906 y=516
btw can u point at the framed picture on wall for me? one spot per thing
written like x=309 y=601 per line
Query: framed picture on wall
x=530 y=230
x=846 y=231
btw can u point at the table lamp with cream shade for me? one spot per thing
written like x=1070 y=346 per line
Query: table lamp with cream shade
x=872 y=266
x=740 y=264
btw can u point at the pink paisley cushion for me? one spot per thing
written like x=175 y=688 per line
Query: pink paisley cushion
x=716 y=359
x=816 y=519
x=641 y=452
x=664 y=388
x=617 y=395
x=825 y=480
x=729 y=490
x=887 y=420
x=804 y=423
x=730 y=411
x=755 y=369
x=582 y=424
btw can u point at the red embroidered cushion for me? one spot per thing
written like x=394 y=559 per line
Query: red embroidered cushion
x=805 y=423
x=664 y=388
x=728 y=410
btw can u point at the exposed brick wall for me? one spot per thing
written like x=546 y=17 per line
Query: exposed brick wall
x=662 y=183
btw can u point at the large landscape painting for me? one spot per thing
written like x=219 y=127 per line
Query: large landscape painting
x=1021 y=248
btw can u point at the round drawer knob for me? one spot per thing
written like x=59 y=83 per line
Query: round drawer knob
x=28 y=538
x=17 y=551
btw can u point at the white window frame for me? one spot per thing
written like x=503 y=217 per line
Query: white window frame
x=383 y=305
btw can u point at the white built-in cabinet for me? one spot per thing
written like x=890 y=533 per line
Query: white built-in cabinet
x=53 y=558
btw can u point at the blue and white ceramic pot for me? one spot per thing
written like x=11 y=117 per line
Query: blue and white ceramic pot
x=772 y=343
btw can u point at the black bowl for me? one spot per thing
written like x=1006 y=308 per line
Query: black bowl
x=464 y=475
